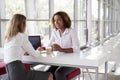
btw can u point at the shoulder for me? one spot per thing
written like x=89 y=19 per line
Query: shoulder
x=17 y=40
x=54 y=31
x=21 y=36
x=71 y=30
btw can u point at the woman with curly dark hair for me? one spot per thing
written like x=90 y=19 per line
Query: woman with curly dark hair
x=65 y=40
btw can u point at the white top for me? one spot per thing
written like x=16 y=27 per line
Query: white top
x=16 y=48
x=67 y=40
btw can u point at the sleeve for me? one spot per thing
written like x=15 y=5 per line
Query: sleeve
x=75 y=41
x=27 y=46
x=52 y=39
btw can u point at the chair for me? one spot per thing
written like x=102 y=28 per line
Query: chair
x=3 y=70
x=27 y=66
x=74 y=74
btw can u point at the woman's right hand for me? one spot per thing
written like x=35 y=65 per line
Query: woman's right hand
x=50 y=77
x=41 y=48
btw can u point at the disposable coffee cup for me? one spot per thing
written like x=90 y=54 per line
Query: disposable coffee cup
x=48 y=50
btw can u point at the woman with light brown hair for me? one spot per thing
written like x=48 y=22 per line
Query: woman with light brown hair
x=16 y=45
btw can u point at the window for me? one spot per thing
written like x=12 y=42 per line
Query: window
x=94 y=20
x=38 y=19
x=7 y=11
x=82 y=23
x=65 y=5
x=11 y=9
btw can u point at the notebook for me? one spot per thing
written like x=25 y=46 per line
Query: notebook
x=35 y=41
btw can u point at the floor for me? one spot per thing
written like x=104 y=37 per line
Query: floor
x=111 y=75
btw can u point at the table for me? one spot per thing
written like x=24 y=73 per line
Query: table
x=91 y=59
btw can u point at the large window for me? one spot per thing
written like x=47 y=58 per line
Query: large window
x=93 y=20
x=7 y=10
x=37 y=12
x=82 y=22
x=110 y=19
x=17 y=7
x=65 y=5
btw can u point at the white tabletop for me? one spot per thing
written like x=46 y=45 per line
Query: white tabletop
x=73 y=59
x=96 y=56
x=89 y=58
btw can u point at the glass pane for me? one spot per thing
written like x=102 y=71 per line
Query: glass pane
x=82 y=33
x=65 y=5
x=72 y=24
x=106 y=15
x=101 y=11
x=94 y=9
x=42 y=9
x=39 y=28
x=94 y=34
x=14 y=6
x=37 y=9
x=106 y=29
x=82 y=10
x=3 y=29
x=94 y=23
x=110 y=27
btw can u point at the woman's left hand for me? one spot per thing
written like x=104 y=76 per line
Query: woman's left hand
x=56 y=47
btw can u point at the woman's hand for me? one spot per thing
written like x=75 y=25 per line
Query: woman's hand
x=56 y=47
x=26 y=54
x=41 y=48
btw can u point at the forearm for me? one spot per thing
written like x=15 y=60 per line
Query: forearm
x=66 y=50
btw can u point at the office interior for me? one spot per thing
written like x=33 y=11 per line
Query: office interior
x=95 y=21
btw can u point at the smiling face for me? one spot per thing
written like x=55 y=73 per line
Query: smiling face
x=58 y=22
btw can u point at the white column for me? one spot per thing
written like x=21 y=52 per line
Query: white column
x=101 y=22
x=76 y=15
